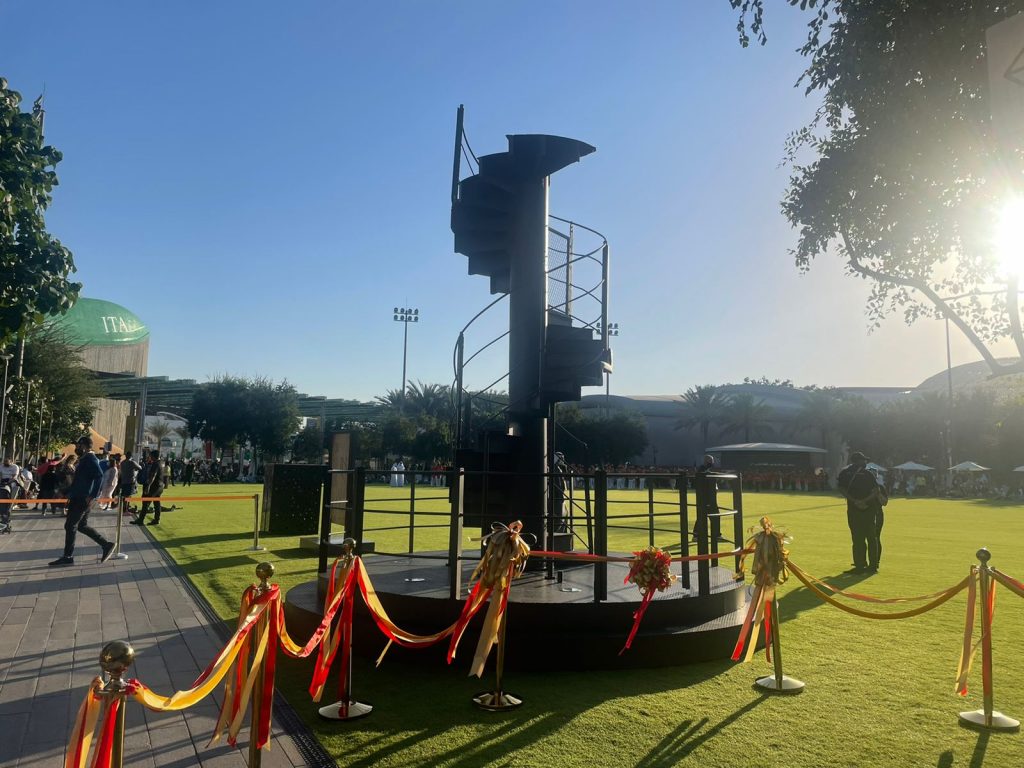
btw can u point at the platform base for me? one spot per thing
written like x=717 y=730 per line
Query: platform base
x=356 y=710
x=497 y=701
x=770 y=685
x=1000 y=722
x=119 y=556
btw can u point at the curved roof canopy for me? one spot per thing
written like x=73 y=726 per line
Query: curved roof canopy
x=98 y=323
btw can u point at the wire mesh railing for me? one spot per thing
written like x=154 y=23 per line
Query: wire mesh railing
x=427 y=515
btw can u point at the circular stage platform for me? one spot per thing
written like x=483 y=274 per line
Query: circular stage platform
x=552 y=623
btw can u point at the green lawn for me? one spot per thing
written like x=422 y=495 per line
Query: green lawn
x=879 y=693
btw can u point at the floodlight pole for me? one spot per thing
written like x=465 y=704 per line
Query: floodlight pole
x=405 y=315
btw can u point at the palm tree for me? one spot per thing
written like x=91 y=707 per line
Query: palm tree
x=159 y=431
x=701 y=407
x=184 y=433
x=821 y=411
x=742 y=413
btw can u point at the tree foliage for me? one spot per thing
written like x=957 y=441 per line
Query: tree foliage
x=702 y=406
x=900 y=172
x=744 y=414
x=232 y=410
x=597 y=438
x=34 y=266
x=60 y=383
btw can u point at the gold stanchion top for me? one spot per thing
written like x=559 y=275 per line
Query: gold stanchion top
x=984 y=555
x=115 y=658
x=264 y=572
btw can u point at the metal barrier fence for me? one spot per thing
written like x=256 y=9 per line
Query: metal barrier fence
x=675 y=511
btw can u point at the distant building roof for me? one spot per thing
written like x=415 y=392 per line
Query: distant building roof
x=98 y=323
x=765 y=448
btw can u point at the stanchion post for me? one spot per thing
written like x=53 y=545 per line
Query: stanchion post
x=498 y=700
x=346 y=708
x=986 y=718
x=778 y=682
x=115 y=658
x=256 y=525
x=264 y=572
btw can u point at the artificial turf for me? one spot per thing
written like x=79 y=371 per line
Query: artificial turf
x=879 y=693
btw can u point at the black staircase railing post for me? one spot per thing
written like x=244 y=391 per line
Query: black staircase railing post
x=682 y=486
x=587 y=480
x=358 y=510
x=460 y=351
x=457 y=483
x=650 y=516
x=326 y=513
x=737 y=518
x=701 y=485
x=412 y=513
x=600 y=534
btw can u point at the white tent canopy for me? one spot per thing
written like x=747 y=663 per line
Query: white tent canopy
x=913 y=466
x=876 y=467
x=968 y=466
x=1019 y=469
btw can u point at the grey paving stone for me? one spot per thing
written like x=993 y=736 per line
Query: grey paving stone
x=53 y=625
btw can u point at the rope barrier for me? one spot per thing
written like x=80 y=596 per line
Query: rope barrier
x=943 y=597
x=246 y=664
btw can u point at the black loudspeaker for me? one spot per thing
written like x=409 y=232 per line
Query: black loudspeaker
x=291 y=499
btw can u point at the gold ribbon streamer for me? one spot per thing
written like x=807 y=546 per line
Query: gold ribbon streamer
x=187 y=698
x=967 y=650
x=85 y=726
x=943 y=597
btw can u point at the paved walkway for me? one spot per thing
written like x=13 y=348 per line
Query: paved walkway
x=53 y=622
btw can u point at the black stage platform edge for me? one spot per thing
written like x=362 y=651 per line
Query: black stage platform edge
x=552 y=624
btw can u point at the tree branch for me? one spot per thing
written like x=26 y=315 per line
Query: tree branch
x=919 y=285
x=1013 y=309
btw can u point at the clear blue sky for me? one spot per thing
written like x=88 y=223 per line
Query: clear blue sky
x=262 y=183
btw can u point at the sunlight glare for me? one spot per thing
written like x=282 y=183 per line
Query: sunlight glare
x=1009 y=237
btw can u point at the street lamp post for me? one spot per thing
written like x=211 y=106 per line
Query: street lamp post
x=405 y=315
x=24 y=427
x=3 y=405
x=39 y=434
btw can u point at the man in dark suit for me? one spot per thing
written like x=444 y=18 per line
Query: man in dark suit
x=864 y=500
x=85 y=486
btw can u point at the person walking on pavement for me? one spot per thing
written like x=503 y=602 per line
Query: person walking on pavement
x=127 y=477
x=83 y=491
x=152 y=487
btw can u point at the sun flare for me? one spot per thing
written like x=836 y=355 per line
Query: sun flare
x=1009 y=237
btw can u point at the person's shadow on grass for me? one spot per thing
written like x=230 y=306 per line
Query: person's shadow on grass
x=688 y=736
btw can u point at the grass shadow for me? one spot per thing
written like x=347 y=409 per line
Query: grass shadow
x=689 y=735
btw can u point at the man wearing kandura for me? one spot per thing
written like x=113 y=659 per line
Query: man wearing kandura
x=84 y=489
